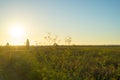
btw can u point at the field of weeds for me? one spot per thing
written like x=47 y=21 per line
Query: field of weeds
x=60 y=63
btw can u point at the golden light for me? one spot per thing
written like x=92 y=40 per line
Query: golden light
x=17 y=33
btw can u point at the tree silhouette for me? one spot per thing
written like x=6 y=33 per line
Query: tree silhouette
x=7 y=44
x=27 y=43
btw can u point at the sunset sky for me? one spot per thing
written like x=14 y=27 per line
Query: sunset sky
x=88 y=22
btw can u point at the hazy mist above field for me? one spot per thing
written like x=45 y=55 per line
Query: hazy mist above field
x=86 y=21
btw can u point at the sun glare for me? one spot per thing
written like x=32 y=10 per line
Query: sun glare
x=17 y=33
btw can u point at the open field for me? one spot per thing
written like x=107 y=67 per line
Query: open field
x=60 y=63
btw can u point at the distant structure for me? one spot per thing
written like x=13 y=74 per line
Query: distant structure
x=27 y=43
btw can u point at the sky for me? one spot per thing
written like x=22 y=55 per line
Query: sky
x=88 y=22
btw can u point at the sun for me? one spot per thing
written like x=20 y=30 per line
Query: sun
x=17 y=32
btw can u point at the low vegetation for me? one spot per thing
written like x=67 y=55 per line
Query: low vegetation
x=60 y=63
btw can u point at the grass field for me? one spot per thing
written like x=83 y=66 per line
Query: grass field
x=60 y=63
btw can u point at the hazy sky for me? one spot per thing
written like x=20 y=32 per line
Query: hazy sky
x=86 y=21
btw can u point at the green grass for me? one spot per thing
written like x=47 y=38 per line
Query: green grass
x=60 y=63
